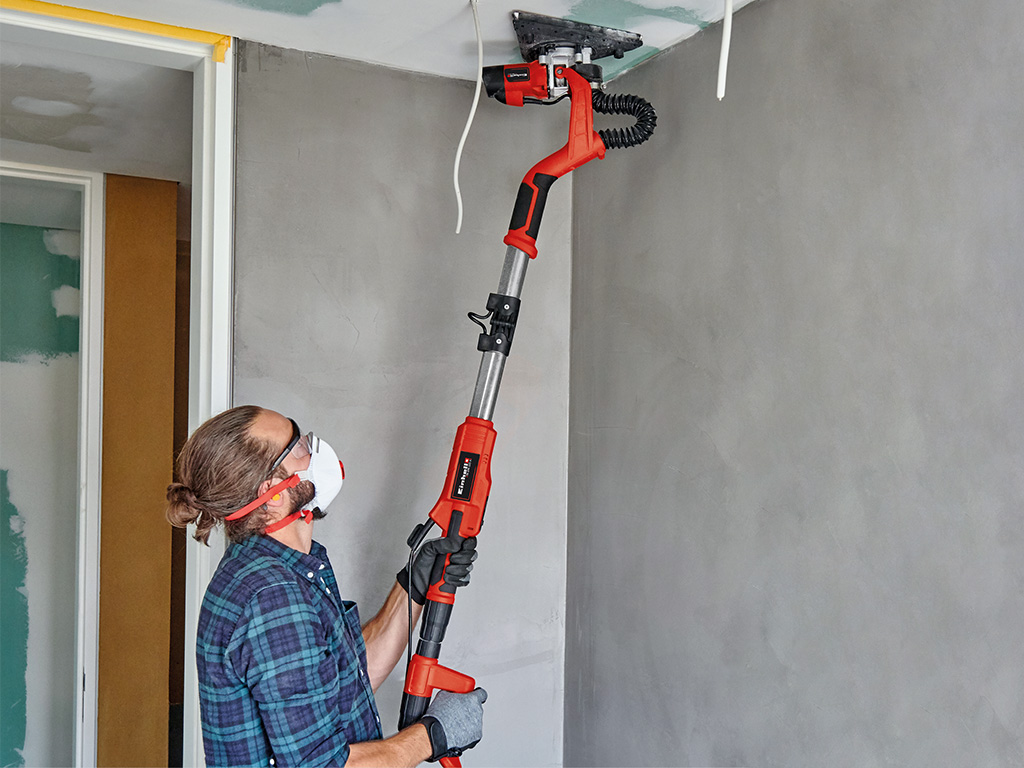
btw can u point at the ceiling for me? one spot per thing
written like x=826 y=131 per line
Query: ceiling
x=70 y=110
x=35 y=203
x=431 y=36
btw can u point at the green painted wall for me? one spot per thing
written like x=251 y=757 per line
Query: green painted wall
x=13 y=629
x=29 y=273
x=32 y=333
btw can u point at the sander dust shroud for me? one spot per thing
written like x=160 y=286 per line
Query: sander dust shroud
x=559 y=57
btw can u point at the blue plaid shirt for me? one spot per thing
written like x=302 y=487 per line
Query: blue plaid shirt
x=282 y=664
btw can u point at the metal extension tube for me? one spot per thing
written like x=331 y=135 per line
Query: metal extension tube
x=492 y=364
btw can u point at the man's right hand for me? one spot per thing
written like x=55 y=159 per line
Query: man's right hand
x=455 y=722
x=462 y=554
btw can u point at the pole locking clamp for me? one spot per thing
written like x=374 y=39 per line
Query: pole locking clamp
x=503 y=312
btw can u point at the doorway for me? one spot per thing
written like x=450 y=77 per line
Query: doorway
x=209 y=66
x=51 y=258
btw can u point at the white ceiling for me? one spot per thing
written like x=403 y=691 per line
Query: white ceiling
x=431 y=36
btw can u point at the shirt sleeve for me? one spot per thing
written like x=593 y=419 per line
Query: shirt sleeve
x=280 y=650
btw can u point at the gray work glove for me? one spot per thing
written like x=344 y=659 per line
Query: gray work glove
x=455 y=722
x=463 y=553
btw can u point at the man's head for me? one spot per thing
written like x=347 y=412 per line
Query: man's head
x=230 y=461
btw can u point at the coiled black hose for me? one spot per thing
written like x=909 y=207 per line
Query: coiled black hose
x=625 y=104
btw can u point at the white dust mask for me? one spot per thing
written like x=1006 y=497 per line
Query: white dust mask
x=325 y=472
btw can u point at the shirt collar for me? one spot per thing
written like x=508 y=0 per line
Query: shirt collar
x=296 y=560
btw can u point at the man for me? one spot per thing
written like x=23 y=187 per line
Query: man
x=286 y=673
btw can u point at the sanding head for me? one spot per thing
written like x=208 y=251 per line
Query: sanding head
x=540 y=34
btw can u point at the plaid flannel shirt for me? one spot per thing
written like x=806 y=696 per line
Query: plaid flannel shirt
x=281 y=661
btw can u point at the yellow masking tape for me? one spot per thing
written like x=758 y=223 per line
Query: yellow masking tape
x=220 y=43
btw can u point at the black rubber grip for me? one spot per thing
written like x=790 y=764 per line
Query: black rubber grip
x=437 y=574
x=494 y=82
x=525 y=199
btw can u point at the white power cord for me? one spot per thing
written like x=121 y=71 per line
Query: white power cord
x=723 y=59
x=472 y=111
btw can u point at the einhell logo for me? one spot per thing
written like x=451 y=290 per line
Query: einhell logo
x=517 y=75
x=465 y=474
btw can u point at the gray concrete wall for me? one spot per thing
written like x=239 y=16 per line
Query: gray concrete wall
x=352 y=290
x=797 y=427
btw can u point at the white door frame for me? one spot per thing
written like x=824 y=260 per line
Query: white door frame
x=210 y=352
x=211 y=329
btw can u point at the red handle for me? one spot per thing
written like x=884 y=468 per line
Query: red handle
x=583 y=146
x=424 y=676
x=451 y=762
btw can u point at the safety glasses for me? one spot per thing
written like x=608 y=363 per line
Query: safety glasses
x=293 y=445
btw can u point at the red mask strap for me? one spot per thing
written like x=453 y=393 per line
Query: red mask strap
x=289 y=519
x=291 y=482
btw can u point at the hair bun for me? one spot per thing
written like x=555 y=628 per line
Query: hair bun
x=183 y=507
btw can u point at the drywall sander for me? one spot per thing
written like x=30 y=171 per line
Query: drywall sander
x=558 y=56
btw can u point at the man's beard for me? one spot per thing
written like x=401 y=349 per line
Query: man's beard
x=303 y=493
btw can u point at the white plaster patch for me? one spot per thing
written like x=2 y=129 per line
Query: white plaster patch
x=17 y=525
x=39 y=450
x=660 y=33
x=63 y=242
x=67 y=301
x=45 y=107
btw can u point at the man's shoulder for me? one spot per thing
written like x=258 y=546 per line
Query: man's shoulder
x=244 y=571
